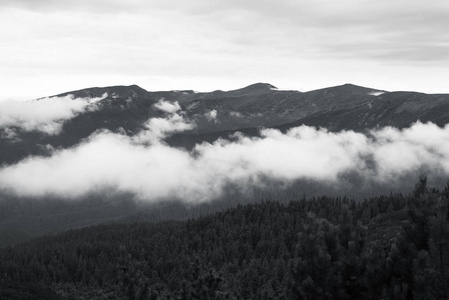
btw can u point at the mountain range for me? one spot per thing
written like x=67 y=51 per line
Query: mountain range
x=220 y=113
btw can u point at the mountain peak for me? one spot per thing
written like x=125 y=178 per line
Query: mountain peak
x=349 y=89
x=253 y=89
x=122 y=91
x=260 y=86
x=352 y=88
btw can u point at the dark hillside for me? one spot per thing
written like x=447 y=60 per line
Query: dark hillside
x=323 y=248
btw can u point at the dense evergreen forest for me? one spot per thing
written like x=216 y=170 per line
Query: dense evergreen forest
x=25 y=218
x=390 y=247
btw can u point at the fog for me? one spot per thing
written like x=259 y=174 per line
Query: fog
x=146 y=166
x=45 y=115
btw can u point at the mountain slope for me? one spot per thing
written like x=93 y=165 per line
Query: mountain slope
x=126 y=108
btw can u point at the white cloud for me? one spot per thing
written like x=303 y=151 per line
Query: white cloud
x=235 y=114
x=211 y=115
x=156 y=171
x=159 y=128
x=376 y=93
x=8 y=133
x=168 y=107
x=400 y=151
x=46 y=115
x=106 y=160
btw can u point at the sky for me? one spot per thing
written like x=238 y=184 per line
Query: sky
x=53 y=46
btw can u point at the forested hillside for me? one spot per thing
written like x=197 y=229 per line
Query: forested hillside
x=22 y=219
x=391 y=247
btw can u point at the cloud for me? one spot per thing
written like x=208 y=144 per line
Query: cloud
x=211 y=115
x=8 y=133
x=159 y=128
x=110 y=161
x=400 y=151
x=45 y=115
x=154 y=171
x=382 y=44
x=167 y=106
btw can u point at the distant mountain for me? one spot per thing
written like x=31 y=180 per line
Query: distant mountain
x=121 y=91
x=345 y=107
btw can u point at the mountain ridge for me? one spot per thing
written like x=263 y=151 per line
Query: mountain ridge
x=127 y=108
x=258 y=86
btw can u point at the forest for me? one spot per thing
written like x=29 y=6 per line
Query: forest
x=385 y=247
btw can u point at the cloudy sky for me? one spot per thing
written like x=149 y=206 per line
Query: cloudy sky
x=53 y=46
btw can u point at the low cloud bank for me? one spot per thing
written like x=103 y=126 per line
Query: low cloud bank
x=146 y=166
x=45 y=115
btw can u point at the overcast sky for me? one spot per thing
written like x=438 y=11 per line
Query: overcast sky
x=52 y=46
